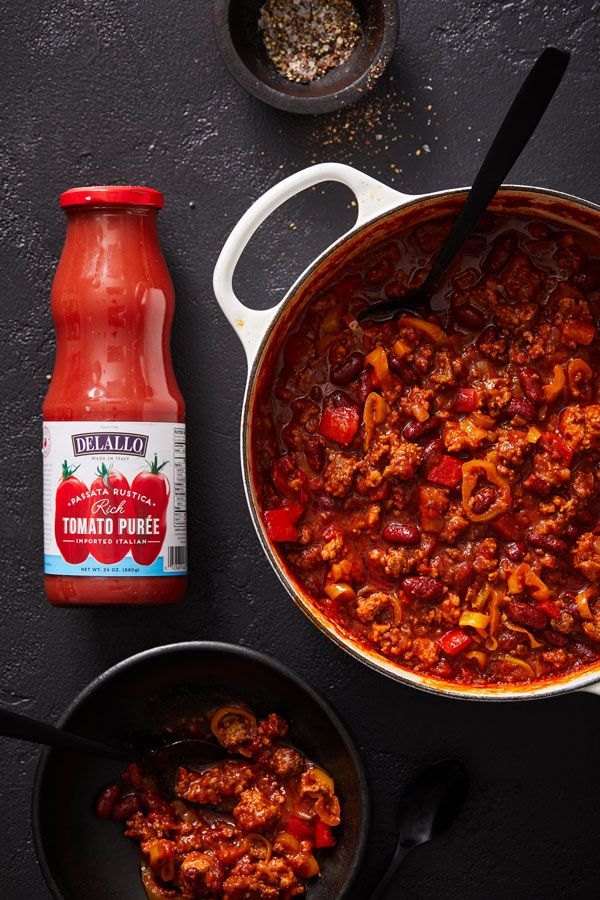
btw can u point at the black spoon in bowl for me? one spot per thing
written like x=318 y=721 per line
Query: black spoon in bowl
x=428 y=806
x=191 y=753
x=520 y=122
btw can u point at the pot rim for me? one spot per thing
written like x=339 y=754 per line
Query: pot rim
x=200 y=647
x=580 y=679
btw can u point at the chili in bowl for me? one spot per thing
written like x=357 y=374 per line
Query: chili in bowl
x=428 y=488
x=286 y=811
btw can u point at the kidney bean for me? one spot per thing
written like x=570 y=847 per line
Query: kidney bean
x=399 y=533
x=584 y=651
x=499 y=254
x=469 y=316
x=348 y=370
x=526 y=615
x=107 y=800
x=412 y=431
x=555 y=638
x=548 y=542
x=520 y=406
x=153 y=802
x=508 y=640
x=433 y=447
x=531 y=384
x=339 y=398
x=403 y=370
x=585 y=517
x=588 y=277
x=515 y=551
x=570 y=531
x=463 y=575
x=483 y=500
x=422 y=588
x=314 y=450
x=364 y=387
x=126 y=808
x=324 y=502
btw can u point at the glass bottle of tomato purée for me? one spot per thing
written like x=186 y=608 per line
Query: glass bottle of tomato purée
x=114 y=438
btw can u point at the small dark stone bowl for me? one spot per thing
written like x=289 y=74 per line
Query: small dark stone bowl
x=242 y=48
x=83 y=857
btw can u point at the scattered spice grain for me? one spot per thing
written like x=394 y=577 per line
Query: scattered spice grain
x=304 y=39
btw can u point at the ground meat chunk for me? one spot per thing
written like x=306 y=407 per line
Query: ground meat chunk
x=260 y=880
x=580 y=426
x=396 y=561
x=496 y=394
x=285 y=761
x=339 y=474
x=372 y=606
x=511 y=447
x=255 y=811
x=546 y=475
x=273 y=728
x=457 y=438
x=225 y=780
x=404 y=460
x=447 y=369
x=393 y=640
x=586 y=556
x=426 y=651
x=197 y=873
x=390 y=457
x=455 y=523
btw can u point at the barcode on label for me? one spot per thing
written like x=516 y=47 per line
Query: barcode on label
x=176 y=558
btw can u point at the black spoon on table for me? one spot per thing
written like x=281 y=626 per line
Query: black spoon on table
x=520 y=122
x=191 y=753
x=428 y=806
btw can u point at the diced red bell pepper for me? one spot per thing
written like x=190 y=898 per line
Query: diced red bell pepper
x=454 y=641
x=294 y=511
x=466 y=400
x=280 y=523
x=447 y=471
x=323 y=835
x=550 y=608
x=300 y=829
x=340 y=424
x=553 y=442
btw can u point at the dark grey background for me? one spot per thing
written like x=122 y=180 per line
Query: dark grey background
x=97 y=91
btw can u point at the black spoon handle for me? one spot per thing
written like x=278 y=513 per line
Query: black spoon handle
x=395 y=863
x=23 y=728
x=520 y=122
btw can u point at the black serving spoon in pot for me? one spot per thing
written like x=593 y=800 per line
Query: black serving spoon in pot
x=428 y=806
x=192 y=753
x=520 y=122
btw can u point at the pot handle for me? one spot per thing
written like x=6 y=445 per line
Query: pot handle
x=593 y=688
x=372 y=198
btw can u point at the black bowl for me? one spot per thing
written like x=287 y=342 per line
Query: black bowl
x=242 y=49
x=86 y=858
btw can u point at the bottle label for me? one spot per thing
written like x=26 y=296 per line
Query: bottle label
x=114 y=499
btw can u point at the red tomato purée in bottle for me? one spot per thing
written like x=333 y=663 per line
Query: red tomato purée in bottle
x=114 y=438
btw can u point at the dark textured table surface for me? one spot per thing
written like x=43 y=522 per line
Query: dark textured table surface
x=104 y=91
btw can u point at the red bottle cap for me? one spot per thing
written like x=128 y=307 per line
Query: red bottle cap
x=112 y=195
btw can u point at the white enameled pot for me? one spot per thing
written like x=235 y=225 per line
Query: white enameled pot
x=382 y=212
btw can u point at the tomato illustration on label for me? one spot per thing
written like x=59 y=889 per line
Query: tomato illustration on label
x=111 y=513
x=70 y=502
x=151 y=487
